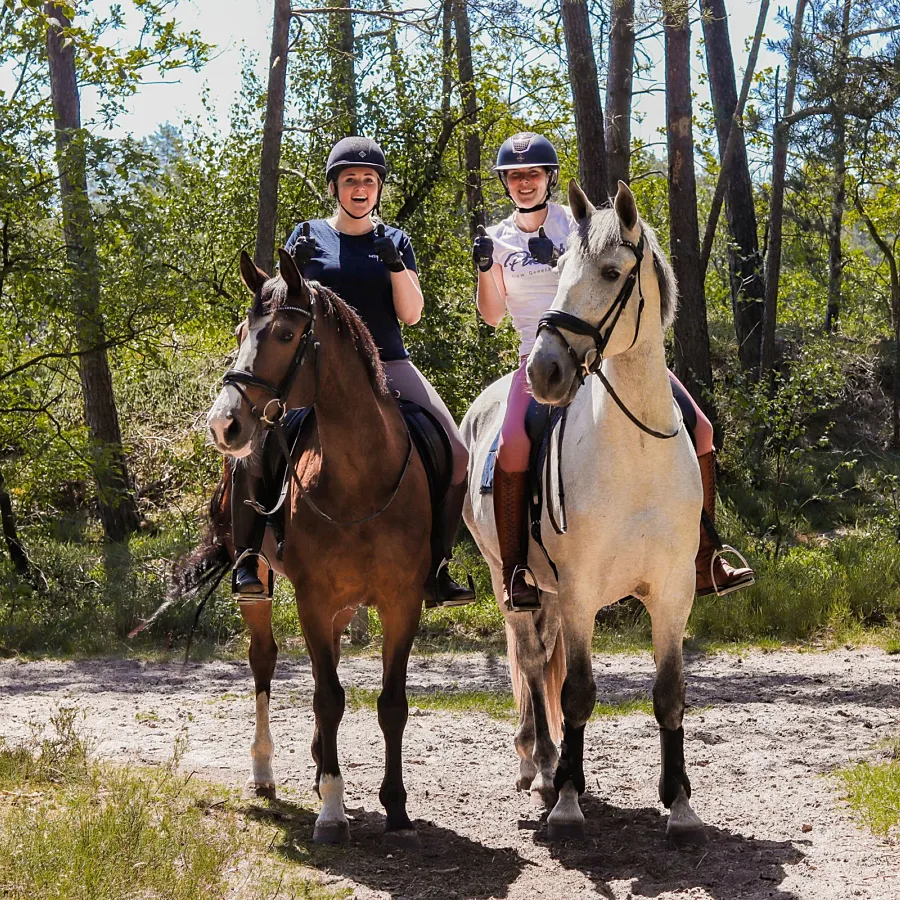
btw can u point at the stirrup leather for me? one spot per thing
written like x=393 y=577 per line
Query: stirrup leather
x=746 y=582
x=511 y=604
x=267 y=592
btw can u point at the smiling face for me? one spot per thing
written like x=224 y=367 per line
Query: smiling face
x=527 y=187
x=357 y=189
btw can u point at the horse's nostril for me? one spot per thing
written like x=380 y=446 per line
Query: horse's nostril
x=233 y=430
x=554 y=376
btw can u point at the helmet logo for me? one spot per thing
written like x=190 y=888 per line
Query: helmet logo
x=520 y=157
x=362 y=154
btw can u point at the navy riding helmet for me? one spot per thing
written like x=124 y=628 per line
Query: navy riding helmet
x=522 y=151
x=350 y=152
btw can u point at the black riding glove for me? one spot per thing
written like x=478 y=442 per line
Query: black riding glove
x=304 y=248
x=483 y=250
x=542 y=249
x=387 y=251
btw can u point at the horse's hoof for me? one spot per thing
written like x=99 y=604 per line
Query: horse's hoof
x=331 y=833
x=543 y=797
x=402 y=839
x=263 y=789
x=684 y=828
x=565 y=831
x=523 y=782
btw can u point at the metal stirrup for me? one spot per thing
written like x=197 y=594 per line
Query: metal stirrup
x=723 y=592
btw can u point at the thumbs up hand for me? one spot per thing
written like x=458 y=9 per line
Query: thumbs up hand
x=387 y=250
x=483 y=250
x=304 y=248
x=542 y=249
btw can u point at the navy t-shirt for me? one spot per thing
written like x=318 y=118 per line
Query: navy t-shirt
x=348 y=265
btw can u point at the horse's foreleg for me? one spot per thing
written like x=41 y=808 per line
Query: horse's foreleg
x=263 y=653
x=669 y=617
x=399 y=623
x=579 y=694
x=331 y=826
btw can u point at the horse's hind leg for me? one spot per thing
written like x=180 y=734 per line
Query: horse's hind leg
x=331 y=826
x=579 y=694
x=263 y=653
x=399 y=623
x=669 y=617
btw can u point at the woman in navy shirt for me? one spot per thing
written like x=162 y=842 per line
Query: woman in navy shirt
x=372 y=267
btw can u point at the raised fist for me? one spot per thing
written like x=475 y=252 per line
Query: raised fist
x=542 y=249
x=483 y=250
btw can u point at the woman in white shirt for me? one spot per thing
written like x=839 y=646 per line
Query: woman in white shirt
x=516 y=262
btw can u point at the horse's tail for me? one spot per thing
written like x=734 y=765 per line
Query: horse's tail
x=207 y=564
x=554 y=677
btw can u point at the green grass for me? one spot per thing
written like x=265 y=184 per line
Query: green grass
x=74 y=829
x=873 y=791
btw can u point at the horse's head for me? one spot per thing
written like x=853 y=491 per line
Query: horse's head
x=275 y=339
x=615 y=284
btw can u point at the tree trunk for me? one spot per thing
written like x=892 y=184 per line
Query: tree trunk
x=270 y=160
x=744 y=262
x=118 y=509
x=586 y=99
x=474 y=195
x=692 y=363
x=343 y=72
x=619 y=86
x=839 y=184
x=780 y=139
x=11 y=535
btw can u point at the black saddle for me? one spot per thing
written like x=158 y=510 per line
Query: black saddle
x=426 y=432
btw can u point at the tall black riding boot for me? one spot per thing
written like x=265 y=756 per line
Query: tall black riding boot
x=444 y=590
x=248 y=529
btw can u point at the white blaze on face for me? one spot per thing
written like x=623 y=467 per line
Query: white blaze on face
x=229 y=400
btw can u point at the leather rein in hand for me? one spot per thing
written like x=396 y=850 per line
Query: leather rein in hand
x=557 y=321
x=273 y=412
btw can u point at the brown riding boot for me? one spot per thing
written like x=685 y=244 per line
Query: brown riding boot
x=714 y=575
x=510 y=514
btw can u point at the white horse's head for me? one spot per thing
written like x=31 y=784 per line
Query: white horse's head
x=615 y=287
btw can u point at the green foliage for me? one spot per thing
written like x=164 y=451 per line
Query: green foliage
x=873 y=791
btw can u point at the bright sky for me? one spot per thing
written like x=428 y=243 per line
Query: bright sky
x=234 y=26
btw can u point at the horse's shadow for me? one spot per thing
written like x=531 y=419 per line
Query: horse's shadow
x=626 y=844
x=445 y=863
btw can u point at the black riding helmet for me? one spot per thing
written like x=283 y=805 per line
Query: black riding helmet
x=522 y=151
x=350 y=152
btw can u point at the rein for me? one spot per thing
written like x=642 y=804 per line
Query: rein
x=272 y=421
x=557 y=321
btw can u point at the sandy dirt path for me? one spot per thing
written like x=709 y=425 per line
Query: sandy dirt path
x=762 y=732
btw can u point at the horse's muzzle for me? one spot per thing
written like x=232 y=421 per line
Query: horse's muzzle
x=231 y=433
x=551 y=372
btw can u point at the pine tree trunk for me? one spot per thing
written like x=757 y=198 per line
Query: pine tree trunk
x=270 y=159
x=343 y=72
x=474 y=195
x=839 y=182
x=118 y=509
x=780 y=138
x=692 y=364
x=586 y=98
x=11 y=535
x=744 y=261
x=619 y=86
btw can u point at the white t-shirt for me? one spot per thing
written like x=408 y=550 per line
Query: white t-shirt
x=530 y=286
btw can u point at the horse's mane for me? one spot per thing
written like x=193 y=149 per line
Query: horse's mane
x=603 y=231
x=275 y=295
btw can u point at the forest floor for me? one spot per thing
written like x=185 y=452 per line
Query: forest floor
x=763 y=732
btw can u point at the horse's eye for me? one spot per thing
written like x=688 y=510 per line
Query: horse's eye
x=286 y=336
x=611 y=273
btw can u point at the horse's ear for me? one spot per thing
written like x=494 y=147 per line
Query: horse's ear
x=626 y=208
x=289 y=272
x=252 y=275
x=581 y=207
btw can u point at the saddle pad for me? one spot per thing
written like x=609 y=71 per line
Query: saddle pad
x=536 y=421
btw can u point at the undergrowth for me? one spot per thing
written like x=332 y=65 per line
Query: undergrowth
x=872 y=788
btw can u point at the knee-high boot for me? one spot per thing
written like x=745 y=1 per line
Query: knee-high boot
x=510 y=502
x=248 y=529
x=714 y=575
x=444 y=590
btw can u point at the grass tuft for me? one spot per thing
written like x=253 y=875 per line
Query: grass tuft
x=873 y=791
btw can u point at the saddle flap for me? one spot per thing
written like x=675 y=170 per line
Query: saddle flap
x=273 y=462
x=431 y=441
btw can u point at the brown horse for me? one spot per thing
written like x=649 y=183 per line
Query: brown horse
x=357 y=517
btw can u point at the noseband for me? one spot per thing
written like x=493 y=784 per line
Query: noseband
x=557 y=321
x=271 y=420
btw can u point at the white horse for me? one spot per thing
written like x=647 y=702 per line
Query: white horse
x=633 y=502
